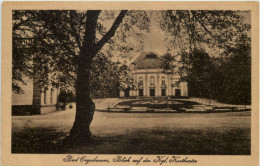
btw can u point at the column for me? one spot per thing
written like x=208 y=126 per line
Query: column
x=168 y=86
x=158 y=86
x=136 y=80
x=145 y=85
x=182 y=89
x=185 y=89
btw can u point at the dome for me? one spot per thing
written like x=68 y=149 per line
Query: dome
x=148 y=61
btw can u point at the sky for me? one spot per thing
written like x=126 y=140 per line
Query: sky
x=155 y=39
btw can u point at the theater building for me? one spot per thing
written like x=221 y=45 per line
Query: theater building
x=152 y=80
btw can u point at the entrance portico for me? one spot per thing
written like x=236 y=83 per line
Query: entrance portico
x=153 y=80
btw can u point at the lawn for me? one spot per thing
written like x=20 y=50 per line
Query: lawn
x=156 y=141
x=135 y=133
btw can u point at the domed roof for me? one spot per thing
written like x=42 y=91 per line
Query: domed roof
x=148 y=61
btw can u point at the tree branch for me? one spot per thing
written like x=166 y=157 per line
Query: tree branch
x=208 y=31
x=90 y=29
x=111 y=31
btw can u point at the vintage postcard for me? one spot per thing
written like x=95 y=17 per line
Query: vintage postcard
x=130 y=83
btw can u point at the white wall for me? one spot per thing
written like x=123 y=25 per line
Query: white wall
x=121 y=94
x=27 y=97
x=184 y=89
x=157 y=74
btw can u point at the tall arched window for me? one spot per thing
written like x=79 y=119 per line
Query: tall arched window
x=141 y=81
x=152 y=80
x=45 y=96
x=51 y=95
x=172 y=81
x=163 y=80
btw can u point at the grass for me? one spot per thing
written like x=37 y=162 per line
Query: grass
x=36 y=140
x=233 y=141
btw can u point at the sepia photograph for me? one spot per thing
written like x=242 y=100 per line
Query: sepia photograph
x=131 y=82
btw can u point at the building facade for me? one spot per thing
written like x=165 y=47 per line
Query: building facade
x=34 y=100
x=152 y=80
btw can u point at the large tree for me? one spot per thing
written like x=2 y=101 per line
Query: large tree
x=208 y=41
x=211 y=30
x=65 y=45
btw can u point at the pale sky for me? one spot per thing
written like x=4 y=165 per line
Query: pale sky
x=155 y=39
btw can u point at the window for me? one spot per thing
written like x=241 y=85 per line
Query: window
x=141 y=81
x=152 y=92
x=163 y=92
x=141 y=92
x=172 y=81
x=51 y=95
x=163 y=81
x=152 y=80
x=45 y=96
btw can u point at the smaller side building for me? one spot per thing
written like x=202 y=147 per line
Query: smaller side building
x=152 y=81
x=34 y=100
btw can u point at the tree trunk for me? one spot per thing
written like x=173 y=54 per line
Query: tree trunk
x=85 y=107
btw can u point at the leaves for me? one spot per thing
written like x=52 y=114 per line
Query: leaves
x=110 y=77
x=58 y=36
x=203 y=28
x=226 y=79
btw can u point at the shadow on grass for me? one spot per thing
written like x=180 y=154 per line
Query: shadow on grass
x=184 y=141
x=37 y=140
